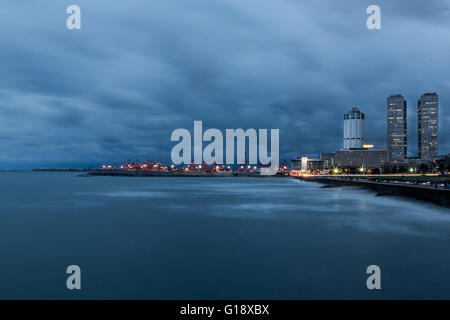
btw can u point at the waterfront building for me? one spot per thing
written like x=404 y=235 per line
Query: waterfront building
x=397 y=141
x=354 y=129
x=307 y=164
x=327 y=156
x=296 y=164
x=428 y=126
x=315 y=165
x=368 y=158
x=304 y=163
x=299 y=164
x=329 y=159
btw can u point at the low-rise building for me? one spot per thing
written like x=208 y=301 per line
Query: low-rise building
x=329 y=159
x=444 y=160
x=369 y=158
x=296 y=164
x=307 y=164
x=315 y=165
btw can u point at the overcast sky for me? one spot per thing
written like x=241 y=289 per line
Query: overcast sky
x=138 y=69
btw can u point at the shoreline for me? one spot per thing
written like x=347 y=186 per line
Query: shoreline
x=220 y=174
x=417 y=192
x=411 y=191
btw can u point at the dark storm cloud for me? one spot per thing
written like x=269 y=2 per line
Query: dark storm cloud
x=117 y=88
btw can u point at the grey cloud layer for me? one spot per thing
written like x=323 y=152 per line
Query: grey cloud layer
x=137 y=70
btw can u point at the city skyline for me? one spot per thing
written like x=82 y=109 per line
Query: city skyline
x=358 y=155
x=427 y=124
x=116 y=89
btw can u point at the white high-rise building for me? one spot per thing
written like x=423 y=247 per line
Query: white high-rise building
x=354 y=129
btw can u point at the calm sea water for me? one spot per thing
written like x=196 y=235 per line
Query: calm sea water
x=215 y=238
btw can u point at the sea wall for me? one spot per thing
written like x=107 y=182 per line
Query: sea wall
x=439 y=196
x=196 y=173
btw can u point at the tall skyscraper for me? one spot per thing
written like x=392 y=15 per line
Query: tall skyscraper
x=397 y=139
x=428 y=126
x=354 y=129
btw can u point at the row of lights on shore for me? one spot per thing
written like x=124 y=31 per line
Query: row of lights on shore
x=172 y=167
x=363 y=170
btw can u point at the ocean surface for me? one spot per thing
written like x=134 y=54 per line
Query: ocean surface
x=215 y=238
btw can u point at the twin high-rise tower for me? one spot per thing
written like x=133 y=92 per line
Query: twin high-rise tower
x=397 y=138
x=428 y=127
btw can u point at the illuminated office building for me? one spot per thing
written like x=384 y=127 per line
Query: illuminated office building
x=428 y=126
x=397 y=141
